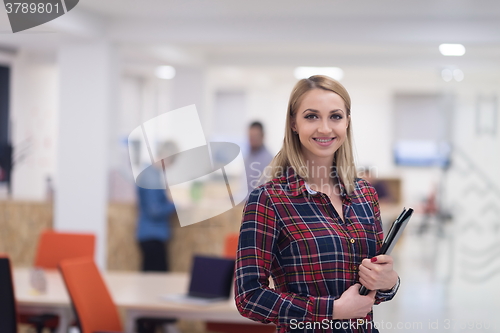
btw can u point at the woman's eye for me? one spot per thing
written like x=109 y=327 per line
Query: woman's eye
x=313 y=116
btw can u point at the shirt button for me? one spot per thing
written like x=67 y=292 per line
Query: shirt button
x=352 y=240
x=354 y=267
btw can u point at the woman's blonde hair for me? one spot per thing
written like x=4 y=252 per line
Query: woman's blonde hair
x=290 y=154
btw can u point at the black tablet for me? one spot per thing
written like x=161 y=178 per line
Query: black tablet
x=395 y=232
x=397 y=228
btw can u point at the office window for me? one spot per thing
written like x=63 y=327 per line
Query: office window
x=422 y=129
x=229 y=123
x=230 y=110
x=486 y=114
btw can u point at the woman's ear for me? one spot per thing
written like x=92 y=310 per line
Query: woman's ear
x=293 y=125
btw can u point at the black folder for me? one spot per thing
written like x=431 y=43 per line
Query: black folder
x=397 y=228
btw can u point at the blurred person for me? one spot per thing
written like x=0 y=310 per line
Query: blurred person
x=315 y=228
x=153 y=228
x=258 y=158
x=155 y=209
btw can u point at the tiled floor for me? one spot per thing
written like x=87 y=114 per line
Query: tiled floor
x=445 y=288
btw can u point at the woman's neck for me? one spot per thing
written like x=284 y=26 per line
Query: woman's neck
x=321 y=175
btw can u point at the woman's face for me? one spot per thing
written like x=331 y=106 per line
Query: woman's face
x=321 y=122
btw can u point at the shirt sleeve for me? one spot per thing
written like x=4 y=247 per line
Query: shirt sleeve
x=386 y=295
x=256 y=252
x=383 y=296
x=155 y=203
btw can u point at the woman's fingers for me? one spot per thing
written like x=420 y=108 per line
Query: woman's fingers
x=353 y=305
x=378 y=261
x=377 y=272
x=369 y=284
x=382 y=259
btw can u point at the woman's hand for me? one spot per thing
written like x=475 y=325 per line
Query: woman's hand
x=353 y=305
x=377 y=273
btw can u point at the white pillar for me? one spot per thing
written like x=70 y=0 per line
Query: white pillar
x=88 y=85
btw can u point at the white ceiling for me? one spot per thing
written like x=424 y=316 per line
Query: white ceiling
x=168 y=9
x=400 y=33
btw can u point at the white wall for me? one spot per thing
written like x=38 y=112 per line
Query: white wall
x=267 y=89
x=142 y=97
x=372 y=91
x=33 y=114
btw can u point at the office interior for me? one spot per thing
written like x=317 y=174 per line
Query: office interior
x=425 y=124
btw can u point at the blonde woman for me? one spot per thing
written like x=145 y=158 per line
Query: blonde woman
x=314 y=228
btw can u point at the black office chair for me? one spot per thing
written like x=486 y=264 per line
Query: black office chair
x=8 y=313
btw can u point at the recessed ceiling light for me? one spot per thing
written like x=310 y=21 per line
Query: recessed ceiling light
x=305 y=72
x=165 y=72
x=452 y=49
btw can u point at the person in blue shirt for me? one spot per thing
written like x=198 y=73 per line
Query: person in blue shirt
x=154 y=210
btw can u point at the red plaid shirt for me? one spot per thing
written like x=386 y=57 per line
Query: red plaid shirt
x=294 y=234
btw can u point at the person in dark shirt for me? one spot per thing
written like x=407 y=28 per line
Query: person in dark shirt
x=258 y=158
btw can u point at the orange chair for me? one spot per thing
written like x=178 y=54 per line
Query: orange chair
x=8 y=311
x=52 y=248
x=231 y=245
x=94 y=307
x=230 y=249
x=56 y=246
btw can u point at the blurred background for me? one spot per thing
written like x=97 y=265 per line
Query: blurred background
x=425 y=120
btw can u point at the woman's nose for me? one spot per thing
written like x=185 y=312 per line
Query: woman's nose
x=324 y=128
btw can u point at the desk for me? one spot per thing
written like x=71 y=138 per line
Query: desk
x=136 y=294
x=55 y=301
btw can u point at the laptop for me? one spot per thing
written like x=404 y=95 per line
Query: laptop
x=211 y=281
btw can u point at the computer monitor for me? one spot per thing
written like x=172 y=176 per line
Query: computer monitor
x=211 y=277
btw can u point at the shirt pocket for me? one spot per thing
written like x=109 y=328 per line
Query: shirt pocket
x=309 y=239
x=362 y=213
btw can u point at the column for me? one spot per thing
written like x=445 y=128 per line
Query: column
x=88 y=87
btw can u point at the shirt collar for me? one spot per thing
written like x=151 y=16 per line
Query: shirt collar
x=259 y=150
x=297 y=184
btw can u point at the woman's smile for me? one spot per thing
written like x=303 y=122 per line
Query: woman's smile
x=324 y=141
